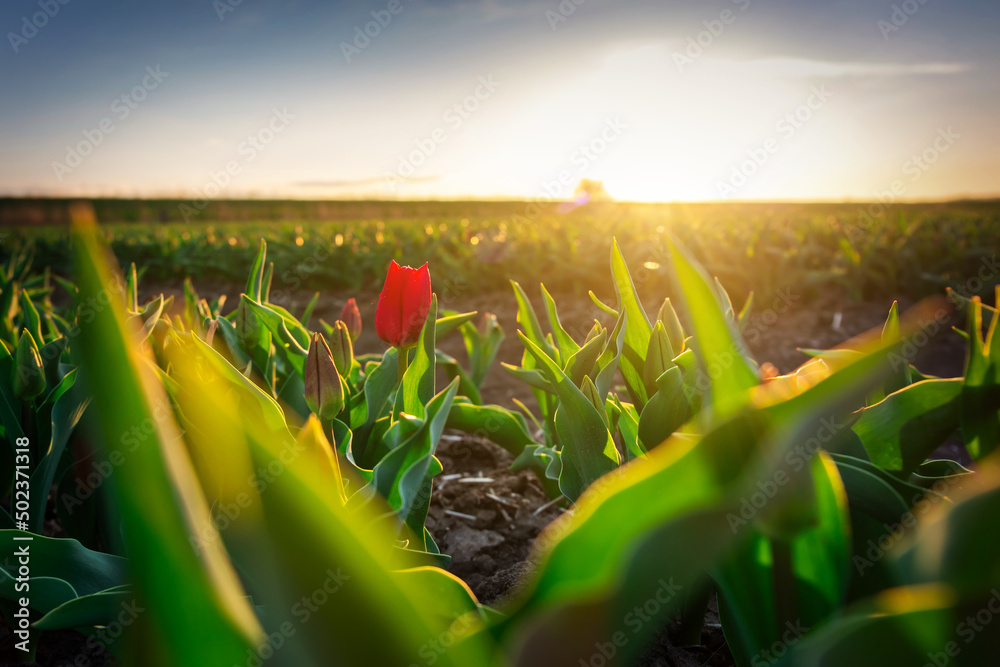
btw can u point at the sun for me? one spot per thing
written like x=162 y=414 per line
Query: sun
x=640 y=181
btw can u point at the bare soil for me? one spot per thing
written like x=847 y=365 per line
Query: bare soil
x=486 y=517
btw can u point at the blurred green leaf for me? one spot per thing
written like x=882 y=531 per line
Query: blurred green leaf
x=157 y=490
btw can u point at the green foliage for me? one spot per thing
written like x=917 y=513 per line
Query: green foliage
x=981 y=388
x=903 y=429
x=803 y=501
x=62 y=572
x=582 y=417
x=39 y=399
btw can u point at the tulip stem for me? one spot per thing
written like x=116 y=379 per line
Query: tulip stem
x=403 y=354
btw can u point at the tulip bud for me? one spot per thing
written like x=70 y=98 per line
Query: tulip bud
x=28 y=373
x=591 y=392
x=675 y=332
x=324 y=390
x=50 y=354
x=659 y=357
x=341 y=347
x=351 y=316
x=403 y=305
x=595 y=331
x=490 y=324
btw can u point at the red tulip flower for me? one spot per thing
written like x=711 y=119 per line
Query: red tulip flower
x=351 y=316
x=403 y=305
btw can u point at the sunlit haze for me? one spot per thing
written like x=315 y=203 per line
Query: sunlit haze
x=746 y=99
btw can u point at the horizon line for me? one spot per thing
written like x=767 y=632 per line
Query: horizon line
x=498 y=200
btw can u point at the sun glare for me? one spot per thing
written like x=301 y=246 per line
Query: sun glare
x=729 y=132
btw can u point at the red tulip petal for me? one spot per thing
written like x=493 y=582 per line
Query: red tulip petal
x=416 y=302
x=388 y=312
x=403 y=305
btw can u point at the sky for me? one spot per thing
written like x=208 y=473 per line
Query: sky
x=422 y=99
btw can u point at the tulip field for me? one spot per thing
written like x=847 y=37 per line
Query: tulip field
x=863 y=250
x=497 y=434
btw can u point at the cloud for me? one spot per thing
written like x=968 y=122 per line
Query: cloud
x=358 y=182
x=800 y=67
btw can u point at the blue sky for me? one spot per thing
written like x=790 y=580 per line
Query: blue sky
x=744 y=99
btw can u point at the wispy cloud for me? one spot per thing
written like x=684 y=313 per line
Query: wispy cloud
x=359 y=182
x=800 y=67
